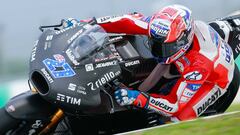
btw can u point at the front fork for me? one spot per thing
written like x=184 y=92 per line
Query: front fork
x=37 y=115
x=56 y=118
x=53 y=122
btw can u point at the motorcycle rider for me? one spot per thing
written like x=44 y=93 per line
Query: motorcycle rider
x=201 y=57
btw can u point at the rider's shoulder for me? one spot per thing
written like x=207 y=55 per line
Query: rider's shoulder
x=206 y=39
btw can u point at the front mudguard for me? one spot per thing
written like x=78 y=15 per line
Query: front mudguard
x=29 y=106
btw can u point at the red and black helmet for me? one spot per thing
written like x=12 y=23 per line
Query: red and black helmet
x=171 y=33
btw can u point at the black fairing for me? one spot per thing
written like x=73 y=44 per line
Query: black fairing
x=81 y=89
x=28 y=106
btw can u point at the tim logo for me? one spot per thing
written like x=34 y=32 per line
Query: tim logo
x=68 y=99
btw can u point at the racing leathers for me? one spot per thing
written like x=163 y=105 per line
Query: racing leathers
x=206 y=70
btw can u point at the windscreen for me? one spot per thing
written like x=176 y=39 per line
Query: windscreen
x=90 y=40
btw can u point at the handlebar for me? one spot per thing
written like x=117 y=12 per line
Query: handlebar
x=56 y=27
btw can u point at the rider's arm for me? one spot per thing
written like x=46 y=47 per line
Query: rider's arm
x=128 y=24
x=181 y=93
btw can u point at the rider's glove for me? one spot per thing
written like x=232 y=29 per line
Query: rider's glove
x=131 y=97
x=69 y=22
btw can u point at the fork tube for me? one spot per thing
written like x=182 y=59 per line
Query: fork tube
x=55 y=119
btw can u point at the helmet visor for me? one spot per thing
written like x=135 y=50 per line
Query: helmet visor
x=165 y=50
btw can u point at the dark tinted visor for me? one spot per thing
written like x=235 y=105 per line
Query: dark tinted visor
x=164 y=50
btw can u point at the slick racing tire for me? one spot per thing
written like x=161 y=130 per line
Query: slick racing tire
x=7 y=123
x=225 y=101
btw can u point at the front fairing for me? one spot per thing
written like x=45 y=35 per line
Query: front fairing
x=68 y=60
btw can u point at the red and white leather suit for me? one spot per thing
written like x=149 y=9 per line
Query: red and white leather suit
x=206 y=69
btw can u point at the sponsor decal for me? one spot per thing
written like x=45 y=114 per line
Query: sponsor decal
x=103 y=80
x=103 y=19
x=208 y=100
x=71 y=57
x=38 y=124
x=78 y=89
x=184 y=99
x=237 y=48
x=193 y=87
x=159 y=31
x=160 y=104
x=101 y=59
x=116 y=39
x=160 y=27
x=186 y=60
x=214 y=36
x=11 y=108
x=106 y=64
x=114 y=55
x=106 y=19
x=195 y=75
x=72 y=86
x=74 y=36
x=89 y=67
x=34 y=51
x=188 y=93
x=59 y=57
x=47 y=75
x=228 y=51
x=47 y=45
x=58 y=67
x=131 y=63
x=68 y=99
x=180 y=66
x=81 y=90
x=49 y=37
x=146 y=19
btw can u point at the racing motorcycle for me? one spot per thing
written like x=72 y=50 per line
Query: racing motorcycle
x=73 y=75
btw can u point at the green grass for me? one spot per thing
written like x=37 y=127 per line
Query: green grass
x=224 y=125
x=234 y=107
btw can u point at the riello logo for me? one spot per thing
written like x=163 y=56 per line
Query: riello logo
x=101 y=81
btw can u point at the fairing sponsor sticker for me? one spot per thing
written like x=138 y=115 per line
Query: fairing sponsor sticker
x=103 y=80
x=34 y=51
x=68 y=99
x=58 y=67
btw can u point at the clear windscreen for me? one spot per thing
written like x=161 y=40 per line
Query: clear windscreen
x=90 y=40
